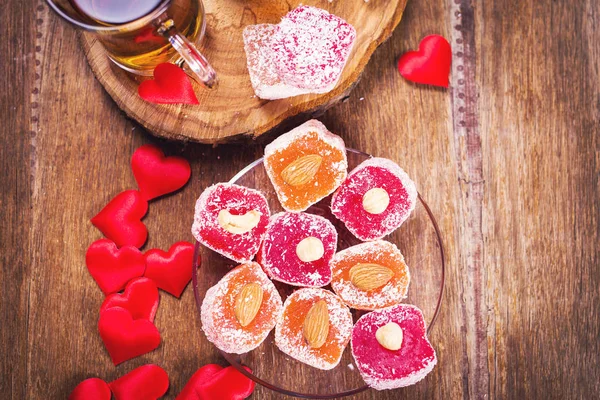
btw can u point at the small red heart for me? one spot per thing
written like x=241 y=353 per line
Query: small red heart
x=125 y=338
x=91 y=389
x=171 y=85
x=120 y=219
x=157 y=175
x=148 y=382
x=171 y=271
x=140 y=299
x=212 y=382
x=430 y=65
x=111 y=267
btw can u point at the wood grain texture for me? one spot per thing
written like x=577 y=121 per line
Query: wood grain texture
x=231 y=111
x=515 y=188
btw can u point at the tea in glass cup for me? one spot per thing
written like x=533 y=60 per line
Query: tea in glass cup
x=140 y=34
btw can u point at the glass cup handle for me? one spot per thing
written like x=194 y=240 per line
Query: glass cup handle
x=196 y=62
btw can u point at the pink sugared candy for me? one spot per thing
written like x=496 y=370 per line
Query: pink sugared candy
x=305 y=53
x=391 y=349
x=376 y=198
x=231 y=220
x=298 y=248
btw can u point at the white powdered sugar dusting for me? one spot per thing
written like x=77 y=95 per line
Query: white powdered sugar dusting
x=305 y=53
x=293 y=343
x=222 y=329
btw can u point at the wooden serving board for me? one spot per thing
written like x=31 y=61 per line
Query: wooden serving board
x=232 y=111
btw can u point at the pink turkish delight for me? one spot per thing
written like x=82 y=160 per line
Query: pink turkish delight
x=391 y=348
x=231 y=220
x=376 y=198
x=305 y=53
x=298 y=248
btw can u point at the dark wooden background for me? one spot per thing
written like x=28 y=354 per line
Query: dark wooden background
x=509 y=157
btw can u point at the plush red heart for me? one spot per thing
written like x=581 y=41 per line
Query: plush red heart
x=111 y=267
x=91 y=389
x=171 y=271
x=148 y=382
x=171 y=85
x=430 y=65
x=213 y=382
x=120 y=219
x=140 y=299
x=157 y=175
x=125 y=338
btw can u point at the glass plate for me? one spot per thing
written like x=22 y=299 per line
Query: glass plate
x=419 y=240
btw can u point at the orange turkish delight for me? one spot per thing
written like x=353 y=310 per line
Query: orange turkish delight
x=370 y=275
x=241 y=309
x=305 y=165
x=314 y=328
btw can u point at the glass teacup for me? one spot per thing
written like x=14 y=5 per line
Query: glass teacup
x=160 y=31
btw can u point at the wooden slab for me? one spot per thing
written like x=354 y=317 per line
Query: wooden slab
x=232 y=111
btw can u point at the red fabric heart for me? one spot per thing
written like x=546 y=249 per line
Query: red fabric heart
x=120 y=219
x=112 y=268
x=213 y=382
x=171 y=85
x=148 y=382
x=125 y=338
x=91 y=389
x=140 y=299
x=430 y=65
x=171 y=271
x=157 y=175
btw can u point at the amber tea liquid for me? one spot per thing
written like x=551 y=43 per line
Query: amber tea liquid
x=141 y=49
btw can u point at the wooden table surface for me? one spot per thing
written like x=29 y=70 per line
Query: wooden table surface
x=509 y=158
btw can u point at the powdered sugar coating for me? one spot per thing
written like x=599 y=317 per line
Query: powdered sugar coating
x=289 y=336
x=305 y=53
x=386 y=369
x=378 y=252
x=264 y=77
x=238 y=200
x=312 y=47
x=218 y=318
x=346 y=203
x=312 y=137
x=278 y=252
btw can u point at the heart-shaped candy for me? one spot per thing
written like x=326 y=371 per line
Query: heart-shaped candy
x=140 y=299
x=125 y=338
x=111 y=267
x=91 y=389
x=171 y=85
x=157 y=175
x=120 y=219
x=429 y=65
x=171 y=271
x=148 y=382
x=214 y=382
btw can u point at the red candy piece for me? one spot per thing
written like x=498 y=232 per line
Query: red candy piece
x=171 y=271
x=213 y=382
x=353 y=204
x=112 y=268
x=217 y=225
x=91 y=389
x=282 y=248
x=389 y=369
x=430 y=65
x=125 y=338
x=157 y=175
x=120 y=220
x=171 y=85
x=148 y=382
x=140 y=299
